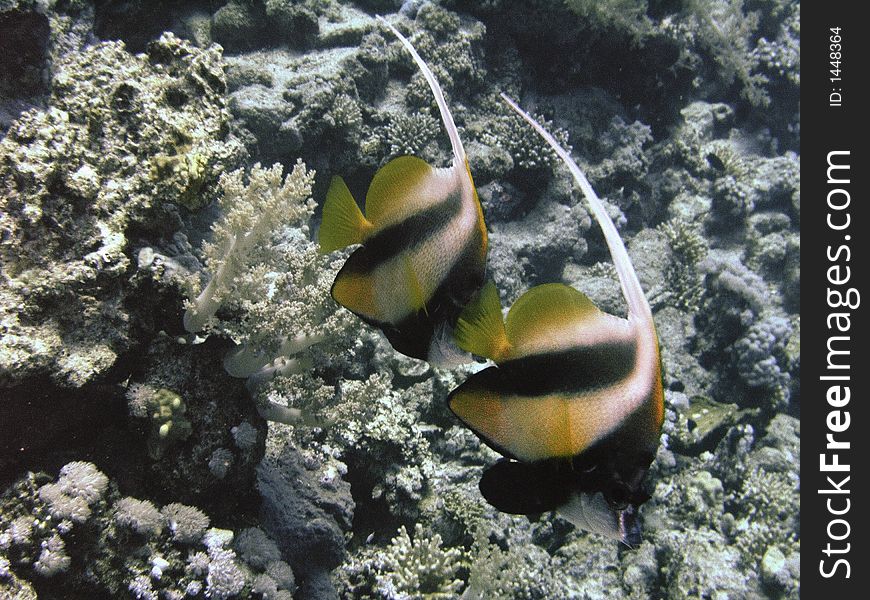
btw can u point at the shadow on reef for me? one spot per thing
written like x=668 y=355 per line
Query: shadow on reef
x=24 y=47
x=137 y=23
x=552 y=43
x=43 y=426
x=235 y=25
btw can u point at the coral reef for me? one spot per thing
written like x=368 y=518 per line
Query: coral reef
x=268 y=444
x=76 y=180
x=418 y=568
x=252 y=214
x=128 y=544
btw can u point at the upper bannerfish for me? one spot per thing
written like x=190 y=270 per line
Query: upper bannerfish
x=424 y=243
x=575 y=401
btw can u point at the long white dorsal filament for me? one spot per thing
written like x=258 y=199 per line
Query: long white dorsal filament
x=634 y=296
x=449 y=125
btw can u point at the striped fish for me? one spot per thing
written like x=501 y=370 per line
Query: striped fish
x=424 y=243
x=575 y=401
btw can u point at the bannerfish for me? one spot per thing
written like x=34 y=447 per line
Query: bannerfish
x=424 y=244
x=574 y=401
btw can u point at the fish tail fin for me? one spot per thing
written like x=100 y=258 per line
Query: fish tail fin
x=480 y=328
x=343 y=222
x=634 y=296
x=446 y=117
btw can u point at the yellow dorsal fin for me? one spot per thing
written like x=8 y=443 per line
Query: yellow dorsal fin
x=417 y=298
x=388 y=192
x=343 y=222
x=480 y=328
x=546 y=310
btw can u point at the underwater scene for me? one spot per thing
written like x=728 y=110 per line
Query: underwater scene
x=399 y=299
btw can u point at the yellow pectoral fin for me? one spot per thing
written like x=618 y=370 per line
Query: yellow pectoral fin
x=388 y=192
x=418 y=298
x=480 y=328
x=343 y=222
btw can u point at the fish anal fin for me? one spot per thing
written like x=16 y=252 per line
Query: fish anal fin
x=355 y=291
x=343 y=222
x=387 y=195
x=480 y=328
x=524 y=489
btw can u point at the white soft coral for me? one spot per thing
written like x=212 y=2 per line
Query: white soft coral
x=253 y=213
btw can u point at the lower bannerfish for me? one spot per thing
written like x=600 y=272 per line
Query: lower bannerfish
x=424 y=243
x=575 y=401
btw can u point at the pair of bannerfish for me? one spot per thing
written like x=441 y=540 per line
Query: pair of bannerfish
x=574 y=401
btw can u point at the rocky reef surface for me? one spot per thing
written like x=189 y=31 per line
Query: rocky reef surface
x=183 y=415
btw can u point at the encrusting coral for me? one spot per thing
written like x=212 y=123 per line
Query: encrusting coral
x=76 y=180
x=682 y=275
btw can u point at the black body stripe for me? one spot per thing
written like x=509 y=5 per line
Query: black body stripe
x=413 y=335
x=405 y=235
x=573 y=371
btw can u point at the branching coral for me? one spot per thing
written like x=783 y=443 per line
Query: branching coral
x=523 y=571
x=53 y=558
x=767 y=507
x=370 y=419
x=682 y=275
x=252 y=214
x=782 y=54
x=700 y=564
x=734 y=292
x=450 y=51
x=79 y=486
x=270 y=276
x=43 y=516
x=723 y=32
x=733 y=199
x=187 y=523
x=528 y=151
x=256 y=548
x=627 y=15
x=224 y=579
x=127 y=545
x=410 y=134
x=761 y=357
x=419 y=568
x=140 y=516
